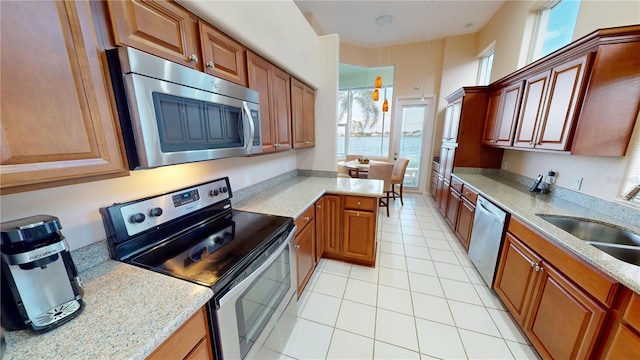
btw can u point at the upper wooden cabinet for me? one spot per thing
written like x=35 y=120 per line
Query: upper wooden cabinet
x=273 y=85
x=502 y=115
x=162 y=28
x=303 y=114
x=549 y=106
x=451 y=121
x=582 y=98
x=57 y=123
x=222 y=56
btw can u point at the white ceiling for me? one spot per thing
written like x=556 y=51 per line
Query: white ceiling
x=418 y=20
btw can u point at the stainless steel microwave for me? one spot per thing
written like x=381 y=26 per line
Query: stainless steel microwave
x=171 y=114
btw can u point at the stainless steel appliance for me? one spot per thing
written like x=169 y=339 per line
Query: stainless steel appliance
x=171 y=114
x=41 y=289
x=486 y=238
x=246 y=258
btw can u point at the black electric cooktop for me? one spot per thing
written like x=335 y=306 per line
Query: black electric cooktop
x=214 y=250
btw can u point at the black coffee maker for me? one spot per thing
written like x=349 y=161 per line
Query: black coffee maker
x=41 y=289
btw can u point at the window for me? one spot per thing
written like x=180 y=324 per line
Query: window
x=554 y=27
x=363 y=128
x=486 y=62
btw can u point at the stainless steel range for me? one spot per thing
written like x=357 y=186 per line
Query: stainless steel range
x=246 y=258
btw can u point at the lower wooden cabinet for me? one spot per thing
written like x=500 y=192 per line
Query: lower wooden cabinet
x=327 y=225
x=544 y=289
x=305 y=247
x=191 y=341
x=464 y=224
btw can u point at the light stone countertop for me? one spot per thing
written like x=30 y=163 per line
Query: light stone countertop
x=293 y=196
x=517 y=200
x=129 y=312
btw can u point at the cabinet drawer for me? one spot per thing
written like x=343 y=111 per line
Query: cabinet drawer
x=184 y=340
x=470 y=194
x=360 y=203
x=305 y=218
x=632 y=314
x=456 y=184
x=599 y=285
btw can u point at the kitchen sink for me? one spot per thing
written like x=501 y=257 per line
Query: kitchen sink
x=614 y=240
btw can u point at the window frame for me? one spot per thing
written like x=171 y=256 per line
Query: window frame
x=486 y=65
x=539 y=34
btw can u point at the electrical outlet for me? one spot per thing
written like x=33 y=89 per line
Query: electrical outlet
x=577 y=182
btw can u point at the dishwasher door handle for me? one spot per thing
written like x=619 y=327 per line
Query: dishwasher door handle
x=488 y=212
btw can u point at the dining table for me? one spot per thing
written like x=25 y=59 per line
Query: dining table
x=356 y=165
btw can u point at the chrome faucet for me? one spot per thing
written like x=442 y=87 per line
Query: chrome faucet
x=631 y=193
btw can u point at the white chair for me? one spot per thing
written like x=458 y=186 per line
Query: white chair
x=382 y=171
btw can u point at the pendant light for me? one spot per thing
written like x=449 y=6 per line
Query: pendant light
x=381 y=21
x=385 y=105
x=376 y=95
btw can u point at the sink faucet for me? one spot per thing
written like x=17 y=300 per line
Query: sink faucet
x=631 y=192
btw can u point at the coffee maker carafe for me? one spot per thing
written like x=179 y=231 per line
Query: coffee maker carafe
x=41 y=289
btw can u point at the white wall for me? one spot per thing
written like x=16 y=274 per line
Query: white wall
x=283 y=36
x=323 y=155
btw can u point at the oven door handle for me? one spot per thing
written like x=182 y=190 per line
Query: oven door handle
x=244 y=284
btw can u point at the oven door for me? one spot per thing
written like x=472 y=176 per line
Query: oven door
x=249 y=311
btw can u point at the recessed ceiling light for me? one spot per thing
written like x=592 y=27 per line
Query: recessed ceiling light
x=384 y=20
x=469 y=25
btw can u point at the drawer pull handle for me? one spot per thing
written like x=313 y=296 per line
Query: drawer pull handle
x=307 y=218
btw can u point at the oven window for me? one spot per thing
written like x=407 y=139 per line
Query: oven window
x=187 y=124
x=256 y=305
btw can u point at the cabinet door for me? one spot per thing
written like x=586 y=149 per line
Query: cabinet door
x=508 y=115
x=625 y=344
x=516 y=276
x=359 y=235
x=329 y=240
x=299 y=114
x=258 y=79
x=305 y=254
x=492 y=118
x=321 y=229
x=464 y=224
x=161 y=28
x=452 y=207
x=565 y=88
x=222 y=56
x=564 y=322
x=309 y=115
x=57 y=123
x=281 y=103
x=531 y=111
x=443 y=197
x=446 y=126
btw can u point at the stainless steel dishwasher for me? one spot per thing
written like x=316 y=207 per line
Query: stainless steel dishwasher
x=486 y=238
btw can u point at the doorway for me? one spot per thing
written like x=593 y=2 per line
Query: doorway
x=413 y=132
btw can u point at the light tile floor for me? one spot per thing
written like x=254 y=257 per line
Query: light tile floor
x=423 y=300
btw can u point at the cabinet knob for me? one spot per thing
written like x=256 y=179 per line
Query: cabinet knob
x=538 y=268
x=319 y=206
x=210 y=64
x=357 y=214
x=297 y=247
x=359 y=203
x=532 y=264
x=306 y=218
x=193 y=58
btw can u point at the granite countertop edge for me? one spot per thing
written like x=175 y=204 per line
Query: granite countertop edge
x=129 y=312
x=517 y=200
x=292 y=197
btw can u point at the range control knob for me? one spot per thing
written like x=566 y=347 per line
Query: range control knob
x=156 y=211
x=223 y=189
x=137 y=218
x=214 y=192
x=218 y=240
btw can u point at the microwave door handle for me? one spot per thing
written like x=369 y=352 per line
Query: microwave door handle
x=251 y=128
